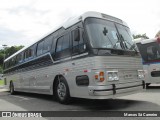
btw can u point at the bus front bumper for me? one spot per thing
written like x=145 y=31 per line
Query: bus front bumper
x=115 y=90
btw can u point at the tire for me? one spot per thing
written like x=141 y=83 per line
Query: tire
x=62 y=91
x=12 y=88
x=147 y=85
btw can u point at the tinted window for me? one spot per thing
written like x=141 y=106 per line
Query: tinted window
x=108 y=34
x=19 y=58
x=65 y=43
x=59 y=44
x=12 y=62
x=77 y=41
x=29 y=53
x=47 y=44
x=78 y=44
x=6 y=65
x=149 y=51
x=62 y=43
x=40 y=48
x=63 y=47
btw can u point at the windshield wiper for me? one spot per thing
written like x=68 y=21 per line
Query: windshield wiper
x=123 y=41
x=132 y=46
x=119 y=41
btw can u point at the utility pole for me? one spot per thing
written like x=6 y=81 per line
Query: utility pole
x=4 y=46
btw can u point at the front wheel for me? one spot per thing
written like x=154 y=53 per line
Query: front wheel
x=62 y=91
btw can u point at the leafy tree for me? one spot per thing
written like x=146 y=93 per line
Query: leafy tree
x=140 y=36
x=1 y=58
x=158 y=34
x=12 y=50
x=8 y=52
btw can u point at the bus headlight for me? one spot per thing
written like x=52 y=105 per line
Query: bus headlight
x=110 y=76
x=140 y=74
x=113 y=75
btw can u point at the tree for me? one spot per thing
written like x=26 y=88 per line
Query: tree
x=1 y=57
x=140 y=36
x=12 y=50
x=158 y=34
x=8 y=52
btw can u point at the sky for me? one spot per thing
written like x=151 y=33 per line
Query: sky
x=24 y=21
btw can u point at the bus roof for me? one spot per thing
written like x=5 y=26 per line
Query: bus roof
x=71 y=22
x=145 y=41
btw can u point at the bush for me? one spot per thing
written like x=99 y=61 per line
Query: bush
x=1 y=82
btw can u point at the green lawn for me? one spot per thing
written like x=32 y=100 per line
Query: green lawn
x=1 y=82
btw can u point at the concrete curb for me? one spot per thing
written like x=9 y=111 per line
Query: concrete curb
x=3 y=88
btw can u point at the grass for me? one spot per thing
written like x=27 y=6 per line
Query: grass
x=1 y=82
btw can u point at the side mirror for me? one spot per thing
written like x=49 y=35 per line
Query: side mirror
x=76 y=35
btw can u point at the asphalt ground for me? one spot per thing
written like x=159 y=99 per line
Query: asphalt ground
x=147 y=100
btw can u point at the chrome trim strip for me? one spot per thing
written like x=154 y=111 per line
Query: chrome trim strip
x=83 y=54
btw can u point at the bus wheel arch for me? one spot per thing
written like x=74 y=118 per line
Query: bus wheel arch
x=61 y=89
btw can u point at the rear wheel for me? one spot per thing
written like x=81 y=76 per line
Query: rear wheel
x=12 y=88
x=62 y=91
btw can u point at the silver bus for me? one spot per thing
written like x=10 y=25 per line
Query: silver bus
x=150 y=52
x=90 y=56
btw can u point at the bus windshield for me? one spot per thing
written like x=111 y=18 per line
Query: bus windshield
x=108 y=34
x=150 y=52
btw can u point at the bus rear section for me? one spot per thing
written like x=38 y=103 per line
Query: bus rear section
x=150 y=52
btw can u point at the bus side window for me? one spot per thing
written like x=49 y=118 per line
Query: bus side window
x=77 y=42
x=19 y=58
x=7 y=64
x=63 y=47
x=47 y=44
x=29 y=53
x=59 y=44
x=40 y=48
x=12 y=62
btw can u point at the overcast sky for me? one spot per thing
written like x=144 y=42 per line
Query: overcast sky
x=24 y=21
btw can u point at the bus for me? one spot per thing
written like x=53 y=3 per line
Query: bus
x=90 y=56
x=150 y=52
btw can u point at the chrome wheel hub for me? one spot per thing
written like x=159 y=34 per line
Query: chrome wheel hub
x=61 y=90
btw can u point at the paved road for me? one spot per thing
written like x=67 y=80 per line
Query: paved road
x=148 y=100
